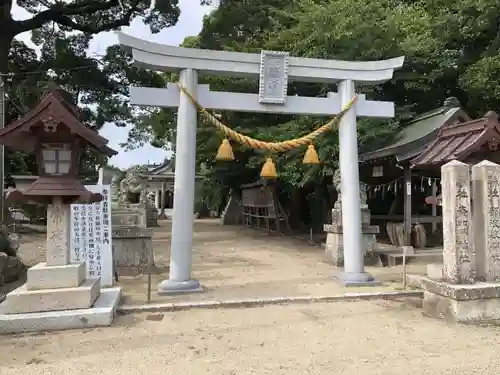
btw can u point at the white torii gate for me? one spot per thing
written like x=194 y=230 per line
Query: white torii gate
x=275 y=69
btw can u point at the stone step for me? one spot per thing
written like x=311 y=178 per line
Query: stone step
x=22 y=300
x=42 y=276
x=100 y=314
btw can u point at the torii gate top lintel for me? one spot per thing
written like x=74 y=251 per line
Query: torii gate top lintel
x=166 y=58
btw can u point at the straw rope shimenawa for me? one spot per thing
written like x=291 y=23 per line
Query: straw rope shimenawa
x=225 y=151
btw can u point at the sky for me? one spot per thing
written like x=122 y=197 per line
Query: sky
x=190 y=23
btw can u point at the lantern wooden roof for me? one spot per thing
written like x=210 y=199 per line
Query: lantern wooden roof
x=54 y=125
x=52 y=108
x=458 y=141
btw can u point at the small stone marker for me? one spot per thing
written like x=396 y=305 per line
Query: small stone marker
x=486 y=218
x=458 y=252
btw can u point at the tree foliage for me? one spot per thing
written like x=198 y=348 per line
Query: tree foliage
x=451 y=49
x=63 y=31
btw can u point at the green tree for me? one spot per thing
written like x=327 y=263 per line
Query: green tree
x=284 y=25
x=99 y=84
x=451 y=49
x=88 y=17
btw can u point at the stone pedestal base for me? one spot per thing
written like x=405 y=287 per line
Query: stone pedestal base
x=337 y=215
x=356 y=279
x=334 y=246
x=132 y=247
x=101 y=314
x=42 y=276
x=168 y=287
x=462 y=303
x=129 y=216
x=22 y=300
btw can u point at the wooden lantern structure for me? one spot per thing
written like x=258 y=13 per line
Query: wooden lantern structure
x=58 y=139
x=53 y=132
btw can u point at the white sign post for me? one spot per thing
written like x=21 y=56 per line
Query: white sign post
x=91 y=236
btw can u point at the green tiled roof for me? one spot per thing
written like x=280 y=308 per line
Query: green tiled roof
x=412 y=139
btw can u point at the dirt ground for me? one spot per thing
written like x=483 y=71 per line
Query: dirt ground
x=376 y=338
x=233 y=262
x=365 y=337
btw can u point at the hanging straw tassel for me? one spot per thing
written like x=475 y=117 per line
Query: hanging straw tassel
x=268 y=169
x=225 y=151
x=311 y=156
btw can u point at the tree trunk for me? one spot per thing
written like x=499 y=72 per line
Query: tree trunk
x=5 y=43
x=7 y=25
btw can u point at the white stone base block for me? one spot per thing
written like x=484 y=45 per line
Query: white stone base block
x=22 y=300
x=101 y=314
x=42 y=276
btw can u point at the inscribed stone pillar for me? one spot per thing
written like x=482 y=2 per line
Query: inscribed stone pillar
x=486 y=218
x=58 y=233
x=458 y=252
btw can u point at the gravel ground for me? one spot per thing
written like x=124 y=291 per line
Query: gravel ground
x=233 y=262
x=376 y=337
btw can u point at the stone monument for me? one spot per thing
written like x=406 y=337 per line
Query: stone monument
x=334 y=239
x=57 y=295
x=467 y=290
x=132 y=215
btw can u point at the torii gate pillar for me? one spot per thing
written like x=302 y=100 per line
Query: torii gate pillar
x=274 y=69
x=180 y=280
x=349 y=179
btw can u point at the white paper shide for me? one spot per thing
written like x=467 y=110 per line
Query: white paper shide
x=91 y=236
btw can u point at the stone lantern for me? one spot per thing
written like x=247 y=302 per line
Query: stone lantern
x=53 y=133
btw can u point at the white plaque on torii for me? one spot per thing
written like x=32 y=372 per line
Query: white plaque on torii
x=274 y=69
x=273 y=77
